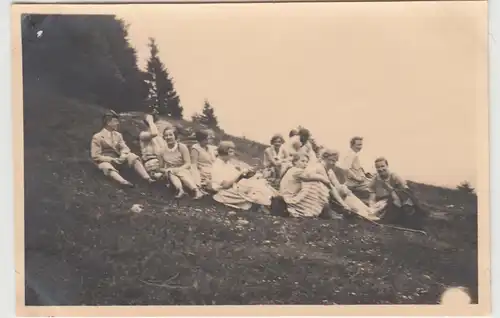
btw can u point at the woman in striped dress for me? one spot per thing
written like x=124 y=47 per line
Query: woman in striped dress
x=203 y=155
x=176 y=164
x=305 y=193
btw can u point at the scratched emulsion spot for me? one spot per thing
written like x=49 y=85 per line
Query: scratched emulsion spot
x=455 y=296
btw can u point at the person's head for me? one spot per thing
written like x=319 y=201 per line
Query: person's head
x=330 y=157
x=211 y=136
x=277 y=140
x=300 y=160
x=382 y=166
x=357 y=143
x=110 y=120
x=226 y=150
x=202 y=137
x=170 y=134
x=293 y=132
x=296 y=144
x=304 y=135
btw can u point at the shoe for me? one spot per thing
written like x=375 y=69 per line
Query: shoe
x=127 y=184
x=180 y=194
x=198 y=195
x=329 y=214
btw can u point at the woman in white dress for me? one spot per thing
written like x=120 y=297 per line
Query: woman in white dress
x=274 y=157
x=203 y=155
x=176 y=164
x=238 y=188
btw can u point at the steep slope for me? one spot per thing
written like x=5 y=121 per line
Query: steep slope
x=83 y=246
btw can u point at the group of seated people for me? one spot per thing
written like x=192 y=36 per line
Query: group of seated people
x=299 y=179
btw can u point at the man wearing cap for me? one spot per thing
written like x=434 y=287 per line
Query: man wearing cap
x=109 y=151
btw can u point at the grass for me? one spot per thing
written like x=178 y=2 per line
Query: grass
x=84 y=247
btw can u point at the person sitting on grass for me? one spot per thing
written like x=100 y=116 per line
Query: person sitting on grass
x=306 y=146
x=238 y=188
x=390 y=194
x=305 y=193
x=357 y=180
x=152 y=146
x=342 y=197
x=109 y=152
x=299 y=143
x=203 y=155
x=274 y=156
x=176 y=164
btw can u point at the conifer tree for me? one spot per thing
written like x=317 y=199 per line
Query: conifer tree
x=162 y=95
x=208 y=117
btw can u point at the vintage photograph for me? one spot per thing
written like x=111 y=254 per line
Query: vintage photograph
x=252 y=154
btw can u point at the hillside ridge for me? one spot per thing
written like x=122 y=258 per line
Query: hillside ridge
x=79 y=223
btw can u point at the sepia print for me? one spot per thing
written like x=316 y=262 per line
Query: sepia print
x=251 y=154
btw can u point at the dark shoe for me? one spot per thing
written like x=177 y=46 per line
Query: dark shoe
x=329 y=214
x=278 y=207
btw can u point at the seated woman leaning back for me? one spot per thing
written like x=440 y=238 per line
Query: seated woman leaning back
x=238 y=188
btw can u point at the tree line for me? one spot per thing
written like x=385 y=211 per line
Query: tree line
x=89 y=57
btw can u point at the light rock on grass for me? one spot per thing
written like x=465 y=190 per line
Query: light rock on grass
x=137 y=208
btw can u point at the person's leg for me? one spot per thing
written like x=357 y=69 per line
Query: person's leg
x=133 y=161
x=110 y=171
x=177 y=183
x=188 y=181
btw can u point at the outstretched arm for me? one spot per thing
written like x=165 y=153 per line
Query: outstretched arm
x=314 y=177
x=153 y=130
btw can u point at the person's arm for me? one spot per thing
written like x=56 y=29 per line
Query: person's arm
x=347 y=166
x=268 y=160
x=313 y=177
x=96 y=151
x=153 y=130
x=285 y=153
x=226 y=184
x=194 y=158
x=400 y=182
x=218 y=183
x=146 y=135
x=185 y=157
x=124 y=149
x=333 y=179
x=194 y=165
x=372 y=200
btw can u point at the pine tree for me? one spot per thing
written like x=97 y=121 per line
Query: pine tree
x=208 y=117
x=162 y=95
x=86 y=56
x=465 y=187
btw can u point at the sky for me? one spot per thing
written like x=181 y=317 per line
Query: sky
x=405 y=76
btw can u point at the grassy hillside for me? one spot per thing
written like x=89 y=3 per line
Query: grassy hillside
x=83 y=246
